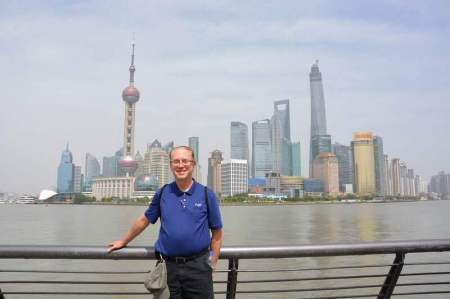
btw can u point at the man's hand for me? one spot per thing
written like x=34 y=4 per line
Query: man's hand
x=116 y=245
x=138 y=226
x=213 y=260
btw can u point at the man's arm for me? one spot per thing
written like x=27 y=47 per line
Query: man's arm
x=138 y=226
x=216 y=243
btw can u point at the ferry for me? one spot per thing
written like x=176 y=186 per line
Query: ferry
x=26 y=199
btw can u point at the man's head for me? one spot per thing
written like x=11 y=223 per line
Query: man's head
x=182 y=162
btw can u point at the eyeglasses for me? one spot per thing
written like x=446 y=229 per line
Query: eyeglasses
x=181 y=162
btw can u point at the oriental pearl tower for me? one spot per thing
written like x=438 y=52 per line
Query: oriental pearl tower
x=130 y=96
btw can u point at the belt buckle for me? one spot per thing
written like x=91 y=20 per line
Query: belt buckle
x=180 y=260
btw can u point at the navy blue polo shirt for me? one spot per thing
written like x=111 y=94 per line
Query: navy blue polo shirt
x=184 y=228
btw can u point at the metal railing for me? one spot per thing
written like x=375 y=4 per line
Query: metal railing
x=426 y=274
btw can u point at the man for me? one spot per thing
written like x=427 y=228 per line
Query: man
x=184 y=241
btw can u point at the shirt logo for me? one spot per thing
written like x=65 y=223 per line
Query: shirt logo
x=198 y=205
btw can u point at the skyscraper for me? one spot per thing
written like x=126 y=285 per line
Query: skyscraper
x=239 y=141
x=380 y=175
x=403 y=179
x=156 y=163
x=396 y=182
x=325 y=168
x=281 y=138
x=194 y=144
x=411 y=182
x=65 y=172
x=388 y=175
x=77 y=179
x=345 y=165
x=318 y=116
x=110 y=165
x=140 y=162
x=91 y=170
x=130 y=96
x=363 y=163
x=261 y=148
x=440 y=184
x=215 y=172
x=234 y=175
x=296 y=159
x=320 y=144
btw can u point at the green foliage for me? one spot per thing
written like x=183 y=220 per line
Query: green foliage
x=107 y=199
x=144 y=200
x=81 y=198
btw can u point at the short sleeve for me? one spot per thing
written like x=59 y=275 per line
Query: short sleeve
x=215 y=219
x=153 y=211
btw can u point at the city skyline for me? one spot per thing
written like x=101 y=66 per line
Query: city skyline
x=379 y=68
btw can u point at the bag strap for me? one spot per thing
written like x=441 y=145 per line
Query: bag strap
x=160 y=197
x=207 y=205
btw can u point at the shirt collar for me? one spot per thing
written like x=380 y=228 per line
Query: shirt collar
x=189 y=192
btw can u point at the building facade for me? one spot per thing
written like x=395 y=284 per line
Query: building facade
x=234 y=175
x=292 y=186
x=157 y=163
x=396 y=183
x=363 y=163
x=91 y=170
x=318 y=115
x=77 y=179
x=388 y=176
x=261 y=148
x=380 y=175
x=110 y=166
x=281 y=138
x=115 y=187
x=313 y=187
x=325 y=168
x=345 y=165
x=65 y=172
x=296 y=159
x=440 y=185
x=194 y=143
x=319 y=144
x=239 y=141
x=215 y=172
x=273 y=184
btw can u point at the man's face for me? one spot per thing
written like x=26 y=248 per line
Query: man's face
x=182 y=164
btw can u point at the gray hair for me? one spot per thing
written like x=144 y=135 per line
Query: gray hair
x=183 y=147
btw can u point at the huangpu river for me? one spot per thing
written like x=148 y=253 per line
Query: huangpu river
x=243 y=225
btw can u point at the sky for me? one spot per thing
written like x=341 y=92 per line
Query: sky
x=202 y=64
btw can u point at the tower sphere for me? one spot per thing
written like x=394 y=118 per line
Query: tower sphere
x=128 y=164
x=130 y=94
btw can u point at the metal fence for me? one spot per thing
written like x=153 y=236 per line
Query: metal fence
x=395 y=268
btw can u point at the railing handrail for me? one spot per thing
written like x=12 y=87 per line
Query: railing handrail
x=228 y=252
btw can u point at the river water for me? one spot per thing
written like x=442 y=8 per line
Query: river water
x=243 y=225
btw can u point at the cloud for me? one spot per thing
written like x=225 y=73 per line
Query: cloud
x=200 y=66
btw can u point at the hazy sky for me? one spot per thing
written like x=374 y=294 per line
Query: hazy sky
x=202 y=64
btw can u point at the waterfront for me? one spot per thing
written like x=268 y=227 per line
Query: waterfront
x=244 y=225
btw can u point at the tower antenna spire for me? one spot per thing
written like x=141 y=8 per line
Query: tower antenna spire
x=132 y=68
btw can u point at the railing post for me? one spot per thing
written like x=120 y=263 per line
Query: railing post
x=391 y=279
x=233 y=265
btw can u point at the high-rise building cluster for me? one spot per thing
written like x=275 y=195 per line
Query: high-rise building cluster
x=266 y=163
x=439 y=185
x=69 y=177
